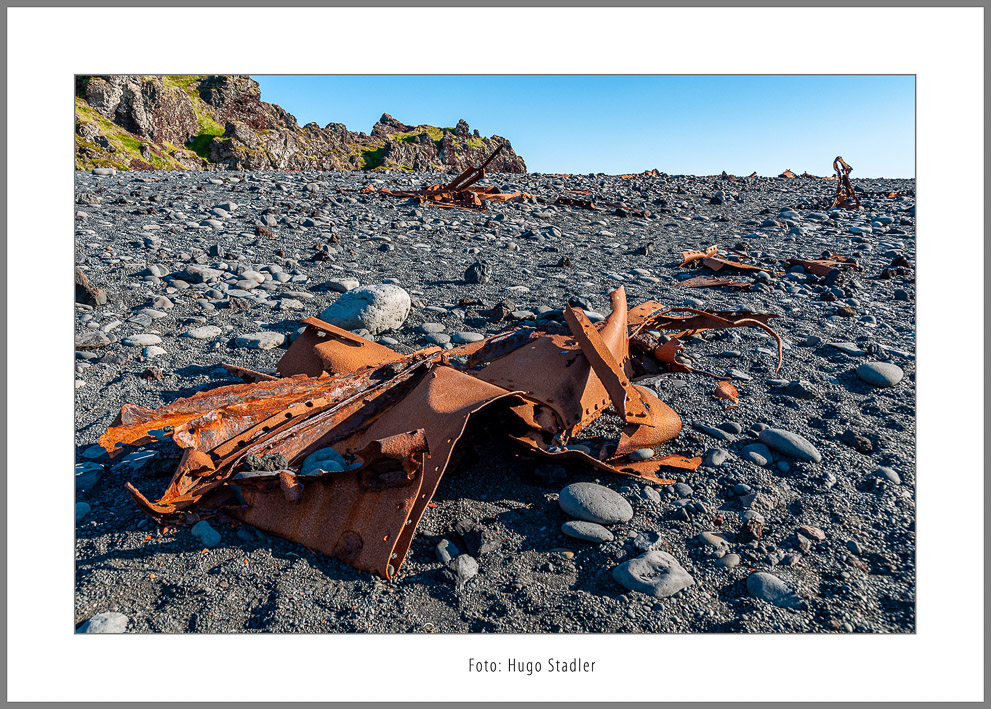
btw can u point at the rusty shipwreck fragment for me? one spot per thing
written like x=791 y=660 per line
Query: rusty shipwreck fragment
x=693 y=255
x=825 y=264
x=725 y=390
x=343 y=448
x=845 y=198
x=461 y=192
x=714 y=282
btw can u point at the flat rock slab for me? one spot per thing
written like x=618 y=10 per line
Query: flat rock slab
x=105 y=623
x=200 y=274
x=849 y=348
x=770 y=588
x=206 y=332
x=141 y=340
x=91 y=340
x=880 y=374
x=87 y=475
x=595 y=503
x=586 y=531
x=790 y=444
x=260 y=340
x=655 y=573
x=343 y=285
x=713 y=540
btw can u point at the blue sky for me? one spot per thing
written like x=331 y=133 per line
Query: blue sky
x=619 y=124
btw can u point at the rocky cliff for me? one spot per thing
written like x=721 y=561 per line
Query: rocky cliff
x=221 y=123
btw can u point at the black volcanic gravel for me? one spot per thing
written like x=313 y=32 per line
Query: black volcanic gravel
x=860 y=578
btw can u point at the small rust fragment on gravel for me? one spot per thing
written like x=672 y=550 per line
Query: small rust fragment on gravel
x=725 y=390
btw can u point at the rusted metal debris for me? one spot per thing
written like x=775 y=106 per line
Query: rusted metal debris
x=710 y=259
x=461 y=192
x=575 y=202
x=825 y=264
x=789 y=174
x=717 y=263
x=734 y=178
x=691 y=256
x=846 y=197
x=646 y=173
x=725 y=390
x=714 y=282
x=343 y=451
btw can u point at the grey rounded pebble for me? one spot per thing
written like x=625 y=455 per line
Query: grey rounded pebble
x=731 y=427
x=595 y=503
x=655 y=573
x=82 y=509
x=465 y=337
x=770 y=588
x=260 y=340
x=651 y=495
x=463 y=567
x=683 y=490
x=105 y=623
x=714 y=457
x=757 y=453
x=790 y=444
x=586 y=531
x=713 y=540
x=209 y=536
x=446 y=551
x=730 y=561
x=880 y=374
x=438 y=338
x=642 y=454
x=889 y=475
x=142 y=340
x=205 y=332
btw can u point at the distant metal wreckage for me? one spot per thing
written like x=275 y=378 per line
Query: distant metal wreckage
x=343 y=450
x=461 y=192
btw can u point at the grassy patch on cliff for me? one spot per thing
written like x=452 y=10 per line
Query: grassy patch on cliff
x=209 y=127
x=127 y=145
x=371 y=156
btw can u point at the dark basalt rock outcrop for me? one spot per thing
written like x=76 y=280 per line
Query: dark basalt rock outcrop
x=220 y=122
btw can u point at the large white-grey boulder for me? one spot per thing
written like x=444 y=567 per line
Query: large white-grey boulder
x=374 y=308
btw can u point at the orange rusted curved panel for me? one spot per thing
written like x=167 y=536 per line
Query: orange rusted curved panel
x=691 y=256
x=326 y=349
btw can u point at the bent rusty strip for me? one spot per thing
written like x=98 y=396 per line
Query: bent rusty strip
x=718 y=264
x=692 y=255
x=713 y=282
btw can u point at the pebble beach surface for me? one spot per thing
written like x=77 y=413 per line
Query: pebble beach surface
x=801 y=519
